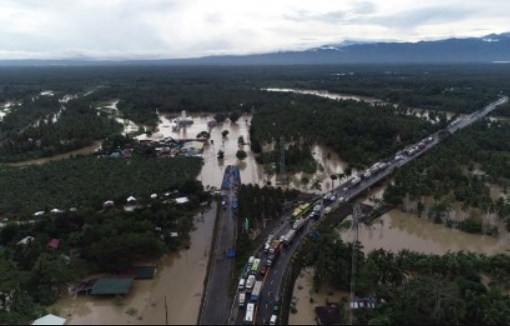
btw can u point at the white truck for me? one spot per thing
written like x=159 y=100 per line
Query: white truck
x=299 y=224
x=250 y=282
x=355 y=180
x=287 y=238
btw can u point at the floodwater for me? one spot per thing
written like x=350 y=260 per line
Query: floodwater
x=129 y=126
x=303 y=292
x=179 y=281
x=373 y=101
x=397 y=230
x=251 y=172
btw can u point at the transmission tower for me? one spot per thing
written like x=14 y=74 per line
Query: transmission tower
x=282 y=180
x=356 y=216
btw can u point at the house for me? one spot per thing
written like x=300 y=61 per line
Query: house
x=57 y=211
x=154 y=196
x=328 y=315
x=49 y=320
x=131 y=200
x=26 y=240
x=109 y=204
x=365 y=302
x=54 y=244
x=182 y=200
x=39 y=213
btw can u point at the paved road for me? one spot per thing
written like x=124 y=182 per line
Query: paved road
x=344 y=192
x=216 y=308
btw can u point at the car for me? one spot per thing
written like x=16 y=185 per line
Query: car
x=341 y=199
x=327 y=210
x=263 y=270
x=276 y=308
x=332 y=198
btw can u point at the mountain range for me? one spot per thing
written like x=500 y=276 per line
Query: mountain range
x=487 y=49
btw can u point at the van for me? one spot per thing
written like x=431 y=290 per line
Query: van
x=251 y=260
x=242 y=299
x=242 y=282
x=272 y=321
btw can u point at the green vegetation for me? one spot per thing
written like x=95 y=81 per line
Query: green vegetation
x=89 y=181
x=417 y=289
x=93 y=238
x=77 y=126
x=241 y=155
x=459 y=171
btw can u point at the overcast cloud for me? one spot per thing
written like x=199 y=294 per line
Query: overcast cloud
x=120 y=29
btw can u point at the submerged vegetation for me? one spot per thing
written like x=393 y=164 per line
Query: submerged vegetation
x=410 y=288
x=459 y=172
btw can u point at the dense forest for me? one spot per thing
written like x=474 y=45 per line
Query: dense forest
x=416 y=289
x=458 y=173
x=233 y=90
x=90 y=181
x=73 y=126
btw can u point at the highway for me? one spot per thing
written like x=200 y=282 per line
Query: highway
x=345 y=192
x=215 y=308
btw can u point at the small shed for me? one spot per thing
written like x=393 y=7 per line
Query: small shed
x=112 y=286
x=108 y=203
x=182 y=200
x=54 y=244
x=26 y=240
x=49 y=320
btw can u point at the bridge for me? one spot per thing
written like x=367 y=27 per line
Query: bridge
x=274 y=275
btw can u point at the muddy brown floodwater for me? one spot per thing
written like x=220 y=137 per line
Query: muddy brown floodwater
x=179 y=280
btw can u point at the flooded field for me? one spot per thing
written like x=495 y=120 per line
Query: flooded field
x=303 y=292
x=179 y=282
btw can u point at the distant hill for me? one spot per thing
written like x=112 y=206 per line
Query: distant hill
x=490 y=48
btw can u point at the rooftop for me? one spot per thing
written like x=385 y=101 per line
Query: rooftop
x=112 y=286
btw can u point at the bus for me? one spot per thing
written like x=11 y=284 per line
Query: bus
x=301 y=210
x=255 y=266
x=250 y=310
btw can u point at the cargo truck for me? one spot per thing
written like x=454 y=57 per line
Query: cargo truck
x=287 y=238
x=273 y=252
x=255 y=293
x=299 y=224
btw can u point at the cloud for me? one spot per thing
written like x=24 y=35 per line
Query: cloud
x=190 y=28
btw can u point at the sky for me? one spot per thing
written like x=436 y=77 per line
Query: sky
x=155 y=29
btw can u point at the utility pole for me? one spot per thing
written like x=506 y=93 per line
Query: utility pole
x=356 y=215
x=282 y=180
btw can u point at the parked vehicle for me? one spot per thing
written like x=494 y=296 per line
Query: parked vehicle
x=355 y=180
x=242 y=283
x=287 y=238
x=274 y=250
x=327 y=210
x=272 y=321
x=242 y=299
x=250 y=282
x=299 y=224
x=251 y=260
x=255 y=294
x=250 y=310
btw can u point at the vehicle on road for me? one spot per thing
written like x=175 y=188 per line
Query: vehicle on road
x=255 y=267
x=327 y=210
x=272 y=321
x=255 y=293
x=242 y=299
x=287 y=238
x=251 y=260
x=263 y=270
x=250 y=310
x=268 y=242
x=250 y=282
x=355 y=180
x=299 y=224
x=242 y=283
x=273 y=252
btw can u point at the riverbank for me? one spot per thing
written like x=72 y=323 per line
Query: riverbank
x=179 y=281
